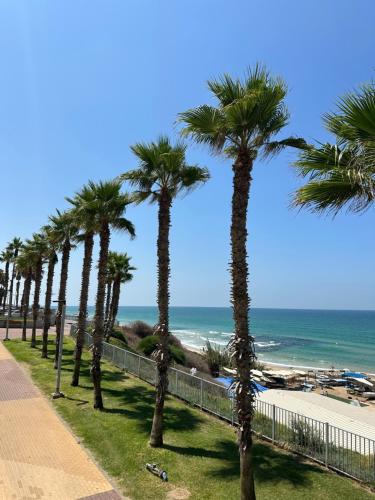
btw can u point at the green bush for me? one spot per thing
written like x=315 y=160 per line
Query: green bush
x=117 y=334
x=141 y=329
x=149 y=344
x=307 y=437
x=178 y=355
x=216 y=358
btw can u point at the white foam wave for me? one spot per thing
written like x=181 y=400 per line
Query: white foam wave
x=186 y=332
x=271 y=343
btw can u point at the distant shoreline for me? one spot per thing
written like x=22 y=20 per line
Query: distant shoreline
x=197 y=350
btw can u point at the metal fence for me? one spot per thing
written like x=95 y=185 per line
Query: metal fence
x=337 y=448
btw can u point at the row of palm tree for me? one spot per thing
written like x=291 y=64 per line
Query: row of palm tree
x=244 y=126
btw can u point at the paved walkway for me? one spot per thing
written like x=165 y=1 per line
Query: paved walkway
x=39 y=457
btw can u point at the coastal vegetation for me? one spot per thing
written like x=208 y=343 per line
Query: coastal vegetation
x=243 y=126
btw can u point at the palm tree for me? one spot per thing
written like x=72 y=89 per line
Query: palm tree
x=37 y=249
x=86 y=220
x=119 y=272
x=25 y=265
x=6 y=256
x=63 y=231
x=162 y=174
x=342 y=174
x=14 y=246
x=249 y=113
x=51 y=256
x=108 y=208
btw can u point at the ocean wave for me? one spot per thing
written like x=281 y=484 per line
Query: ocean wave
x=186 y=332
x=263 y=345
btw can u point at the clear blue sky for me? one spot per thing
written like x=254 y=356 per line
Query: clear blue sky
x=82 y=80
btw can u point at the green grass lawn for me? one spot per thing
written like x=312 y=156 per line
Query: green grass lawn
x=200 y=453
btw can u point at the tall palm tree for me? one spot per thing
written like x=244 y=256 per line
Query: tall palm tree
x=6 y=256
x=243 y=124
x=25 y=265
x=161 y=175
x=342 y=174
x=51 y=256
x=14 y=246
x=63 y=231
x=37 y=249
x=88 y=225
x=108 y=207
x=119 y=271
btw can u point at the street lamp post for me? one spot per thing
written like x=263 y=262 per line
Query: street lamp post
x=58 y=394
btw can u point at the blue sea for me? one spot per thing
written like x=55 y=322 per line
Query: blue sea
x=311 y=338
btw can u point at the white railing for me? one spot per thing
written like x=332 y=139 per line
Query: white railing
x=337 y=448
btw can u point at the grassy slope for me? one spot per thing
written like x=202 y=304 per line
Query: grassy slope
x=199 y=454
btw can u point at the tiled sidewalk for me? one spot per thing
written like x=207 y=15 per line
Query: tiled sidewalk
x=39 y=457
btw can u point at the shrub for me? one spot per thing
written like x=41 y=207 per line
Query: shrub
x=216 y=358
x=118 y=334
x=306 y=436
x=178 y=355
x=141 y=329
x=148 y=345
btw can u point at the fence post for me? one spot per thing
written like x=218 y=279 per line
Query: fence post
x=201 y=393
x=326 y=440
x=139 y=365
x=273 y=422
x=125 y=359
x=113 y=355
x=177 y=382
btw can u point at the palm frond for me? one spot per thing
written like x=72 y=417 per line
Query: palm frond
x=274 y=147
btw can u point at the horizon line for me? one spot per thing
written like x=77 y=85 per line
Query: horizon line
x=266 y=308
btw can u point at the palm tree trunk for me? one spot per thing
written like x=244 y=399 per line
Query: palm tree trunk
x=62 y=293
x=18 y=291
x=82 y=315
x=25 y=307
x=22 y=298
x=11 y=287
x=38 y=282
x=47 y=305
x=162 y=355
x=243 y=343
x=99 y=316
x=6 y=285
x=107 y=314
x=113 y=310
x=108 y=300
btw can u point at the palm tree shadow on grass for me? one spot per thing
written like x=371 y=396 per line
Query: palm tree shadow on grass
x=137 y=403
x=270 y=465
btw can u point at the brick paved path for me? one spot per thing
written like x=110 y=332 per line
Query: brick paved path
x=39 y=457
